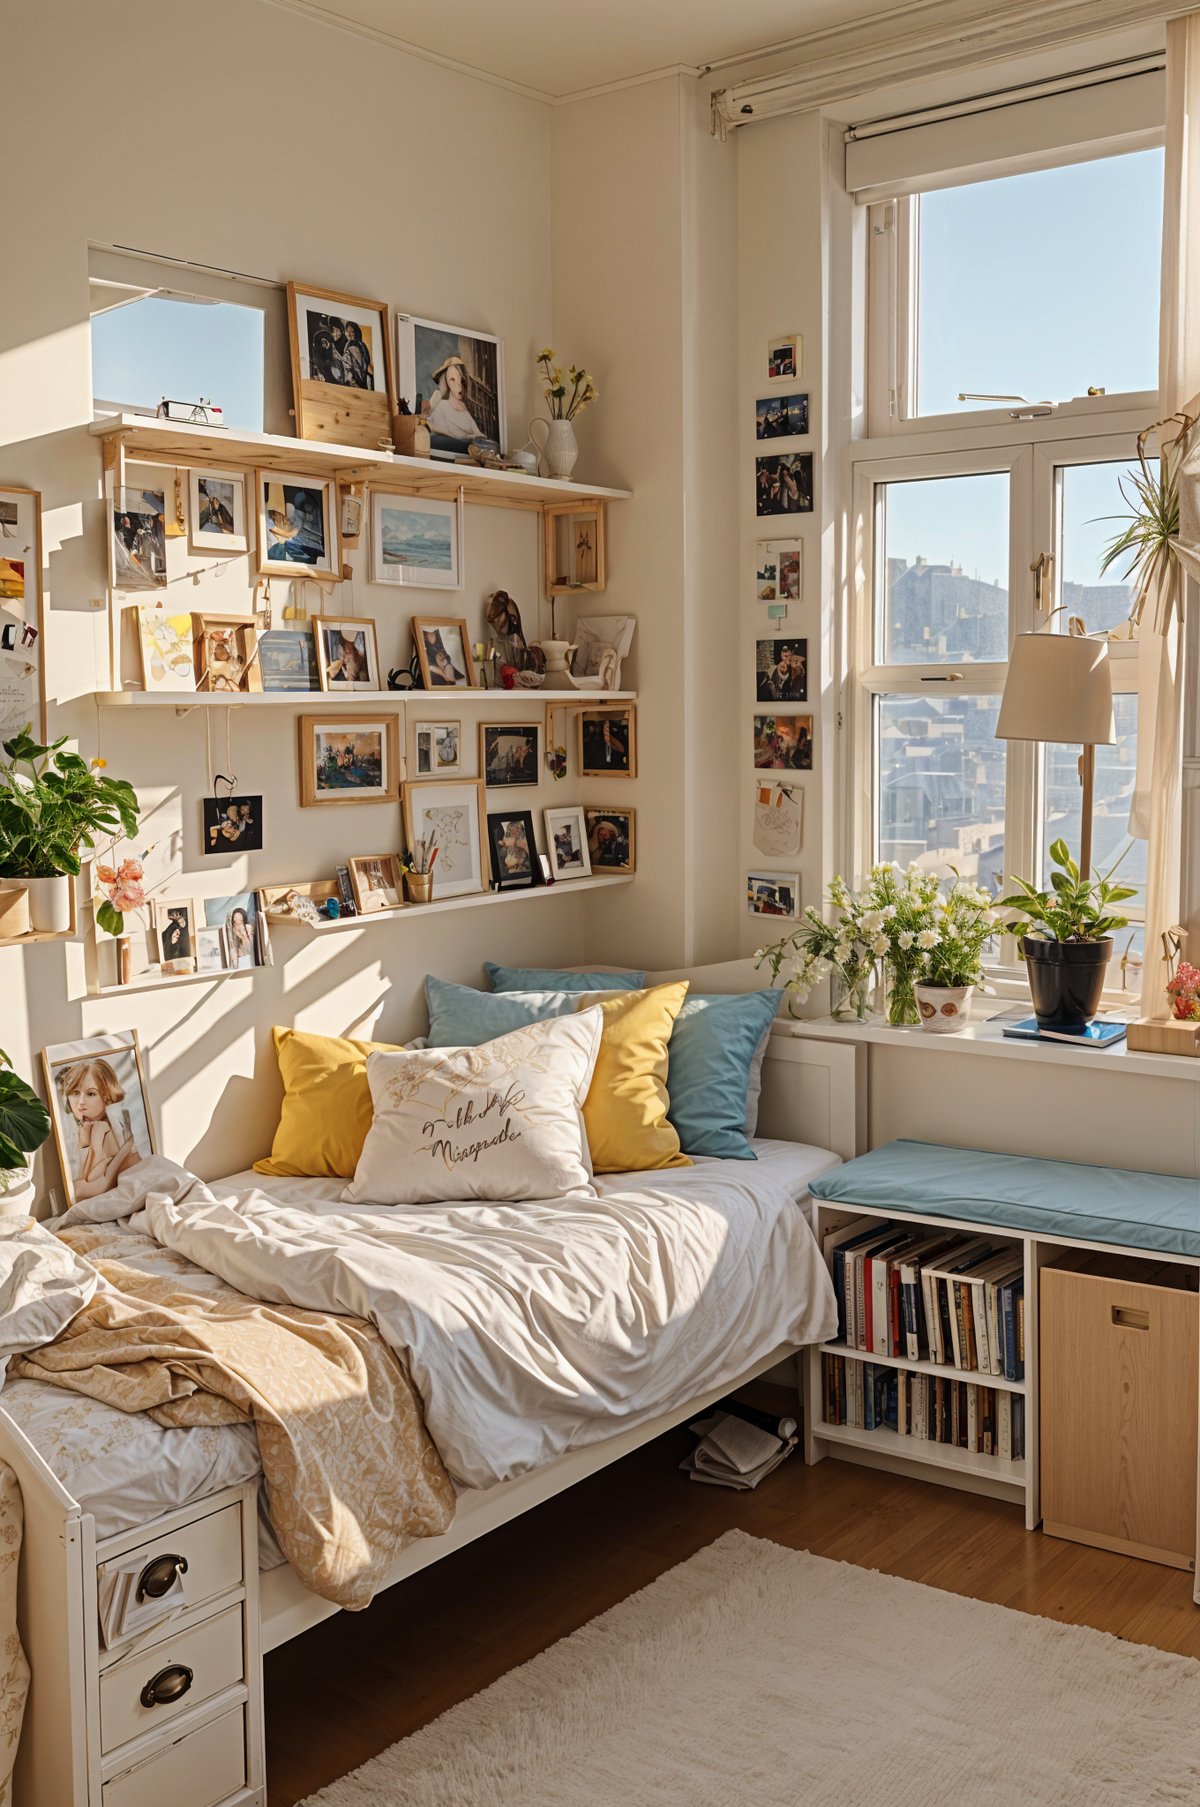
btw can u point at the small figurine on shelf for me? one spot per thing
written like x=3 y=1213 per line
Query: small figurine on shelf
x=504 y=618
x=410 y=433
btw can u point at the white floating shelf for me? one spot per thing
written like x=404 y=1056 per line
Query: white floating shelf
x=887 y=1442
x=971 y=1375
x=321 y=699
x=379 y=918
x=154 y=981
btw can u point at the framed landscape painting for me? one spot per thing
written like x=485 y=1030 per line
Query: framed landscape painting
x=416 y=540
x=350 y=758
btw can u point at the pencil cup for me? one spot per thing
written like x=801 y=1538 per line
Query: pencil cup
x=419 y=886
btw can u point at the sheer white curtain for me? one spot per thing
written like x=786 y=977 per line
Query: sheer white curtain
x=1157 y=802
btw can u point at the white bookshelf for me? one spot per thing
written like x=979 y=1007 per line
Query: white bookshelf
x=939 y=1370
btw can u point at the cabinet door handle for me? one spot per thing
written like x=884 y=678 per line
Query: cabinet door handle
x=168 y=1686
x=1130 y=1317
x=158 y=1577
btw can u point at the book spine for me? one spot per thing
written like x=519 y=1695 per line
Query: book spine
x=879 y=1306
x=932 y=1327
x=1010 y=1334
x=941 y=1296
x=1021 y=1331
x=894 y=1325
x=839 y=1288
x=980 y=1324
x=958 y=1335
x=910 y=1309
x=1005 y=1415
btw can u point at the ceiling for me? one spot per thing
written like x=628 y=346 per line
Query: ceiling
x=561 y=47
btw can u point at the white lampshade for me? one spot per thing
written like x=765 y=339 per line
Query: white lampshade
x=1059 y=687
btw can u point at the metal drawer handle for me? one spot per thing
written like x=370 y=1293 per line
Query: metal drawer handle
x=168 y=1686
x=1128 y=1317
x=158 y=1577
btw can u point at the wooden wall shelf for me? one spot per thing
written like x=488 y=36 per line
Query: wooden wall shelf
x=181 y=700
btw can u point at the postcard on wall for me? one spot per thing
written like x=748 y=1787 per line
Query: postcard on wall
x=779 y=570
x=22 y=698
x=781 y=416
x=773 y=893
x=783 y=743
x=778 y=820
x=783 y=483
x=781 y=671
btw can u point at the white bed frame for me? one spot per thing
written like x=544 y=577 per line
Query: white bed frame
x=812 y=1092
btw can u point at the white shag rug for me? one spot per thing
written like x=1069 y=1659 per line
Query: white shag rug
x=758 y=1674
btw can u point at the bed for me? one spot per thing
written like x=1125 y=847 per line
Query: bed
x=95 y=1480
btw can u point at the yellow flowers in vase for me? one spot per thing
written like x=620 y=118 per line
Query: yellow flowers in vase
x=566 y=395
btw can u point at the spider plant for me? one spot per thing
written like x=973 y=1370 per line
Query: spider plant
x=1146 y=540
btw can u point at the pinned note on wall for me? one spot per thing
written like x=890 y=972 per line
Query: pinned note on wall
x=778 y=819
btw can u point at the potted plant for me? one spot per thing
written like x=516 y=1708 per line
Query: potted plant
x=953 y=966
x=53 y=805
x=837 y=949
x=1066 y=939
x=24 y=1126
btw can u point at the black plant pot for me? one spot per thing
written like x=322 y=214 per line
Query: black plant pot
x=1066 y=979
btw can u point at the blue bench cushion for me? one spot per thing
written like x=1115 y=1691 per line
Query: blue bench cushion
x=1018 y=1192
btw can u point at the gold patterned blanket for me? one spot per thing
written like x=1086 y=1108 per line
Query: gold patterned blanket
x=352 y=1475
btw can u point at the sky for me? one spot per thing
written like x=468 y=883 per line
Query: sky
x=185 y=351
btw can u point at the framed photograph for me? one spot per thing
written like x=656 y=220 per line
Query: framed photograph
x=785 y=358
x=349 y=759
x=297 y=525
x=779 y=570
x=175 y=933
x=450 y=813
x=436 y=749
x=217 y=511
x=512 y=848
x=341 y=366
x=783 y=743
x=211 y=956
x=347 y=653
x=416 y=540
x=225 y=652
x=608 y=742
x=306 y=901
x=377 y=882
x=781 y=416
x=166 y=647
x=99 y=1106
x=573 y=548
x=453 y=377
x=783 y=483
x=509 y=753
x=287 y=659
x=22 y=692
x=566 y=842
x=773 y=893
x=610 y=839
x=138 y=543
x=781 y=671
x=444 y=652
x=243 y=926
x=232 y=825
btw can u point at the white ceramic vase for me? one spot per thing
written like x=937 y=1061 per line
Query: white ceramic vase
x=16 y=1191
x=556 y=652
x=945 y=1009
x=50 y=904
x=558 y=450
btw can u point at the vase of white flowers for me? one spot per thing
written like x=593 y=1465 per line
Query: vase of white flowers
x=834 y=948
x=953 y=967
x=900 y=921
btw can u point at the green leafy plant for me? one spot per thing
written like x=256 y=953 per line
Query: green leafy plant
x=24 y=1121
x=1073 y=909
x=965 y=922
x=54 y=805
x=1146 y=540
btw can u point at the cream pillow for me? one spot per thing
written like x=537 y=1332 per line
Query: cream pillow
x=501 y=1121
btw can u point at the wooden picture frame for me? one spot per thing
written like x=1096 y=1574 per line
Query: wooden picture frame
x=108 y=1066
x=377 y=881
x=499 y=766
x=611 y=755
x=611 y=839
x=462 y=865
x=429 y=743
x=361 y=734
x=288 y=539
x=225 y=652
x=22 y=675
x=573 y=558
x=515 y=862
x=568 y=854
x=215 y=496
x=338 y=650
x=428 y=629
x=343 y=383
x=278 y=902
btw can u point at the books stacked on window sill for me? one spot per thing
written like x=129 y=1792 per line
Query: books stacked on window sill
x=911 y=1293
x=985 y=1421
x=739 y=1446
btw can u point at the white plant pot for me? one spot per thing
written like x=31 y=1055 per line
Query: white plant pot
x=16 y=1191
x=50 y=904
x=945 y=1009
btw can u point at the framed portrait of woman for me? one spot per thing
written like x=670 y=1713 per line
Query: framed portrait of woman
x=453 y=378
x=100 y=1109
x=444 y=652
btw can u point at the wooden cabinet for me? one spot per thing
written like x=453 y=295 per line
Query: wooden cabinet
x=1118 y=1355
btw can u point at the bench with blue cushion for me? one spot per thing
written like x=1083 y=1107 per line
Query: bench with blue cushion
x=1019 y=1192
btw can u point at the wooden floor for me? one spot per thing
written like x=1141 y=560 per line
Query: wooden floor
x=353 y=1685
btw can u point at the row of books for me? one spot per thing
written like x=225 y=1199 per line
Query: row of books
x=921 y=1294
x=927 y=1407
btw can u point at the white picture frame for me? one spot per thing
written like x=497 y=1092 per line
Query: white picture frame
x=774 y=894
x=453 y=810
x=422 y=347
x=213 y=496
x=567 y=842
x=416 y=541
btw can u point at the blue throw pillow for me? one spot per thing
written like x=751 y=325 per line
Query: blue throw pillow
x=549 y=978
x=460 y=1017
x=714 y=1055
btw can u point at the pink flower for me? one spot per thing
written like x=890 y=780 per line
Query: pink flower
x=105 y=875
x=128 y=896
x=130 y=869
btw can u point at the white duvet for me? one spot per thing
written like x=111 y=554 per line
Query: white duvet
x=533 y=1328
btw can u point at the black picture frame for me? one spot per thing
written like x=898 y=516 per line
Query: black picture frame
x=232 y=825
x=502 y=826
x=503 y=772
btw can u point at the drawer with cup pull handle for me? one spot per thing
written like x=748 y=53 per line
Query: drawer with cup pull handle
x=204 y=1556
x=154 y=1685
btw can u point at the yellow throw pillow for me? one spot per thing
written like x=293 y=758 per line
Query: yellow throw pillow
x=626 y=1109
x=326 y=1105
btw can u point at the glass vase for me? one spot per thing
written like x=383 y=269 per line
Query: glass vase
x=850 y=996
x=901 y=1001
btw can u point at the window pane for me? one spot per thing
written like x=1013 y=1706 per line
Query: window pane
x=940 y=784
x=1091 y=498
x=184 y=350
x=942 y=563
x=1020 y=292
x=1116 y=767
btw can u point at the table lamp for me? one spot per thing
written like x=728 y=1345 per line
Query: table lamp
x=1059 y=688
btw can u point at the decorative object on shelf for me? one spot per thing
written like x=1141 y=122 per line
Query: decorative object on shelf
x=608 y=742
x=601 y=644
x=304 y=902
x=217 y=511
x=225 y=652
x=526 y=459
x=773 y=893
x=418 y=887
x=287 y=660
x=610 y=839
x=566 y=396
x=512 y=846
x=347 y=653
x=350 y=513
x=341 y=366
x=353 y=758
x=901 y=915
x=508 y=633
x=781 y=416
x=1066 y=938
x=416 y=540
x=14 y=912
x=53 y=806
x=24 y=1126
x=558 y=450
x=410 y=433
x=944 y=1009
x=175 y=933
x=436 y=749
x=297 y=525
x=783 y=743
x=508 y=753
x=783 y=483
x=167 y=651
x=572 y=548
x=138 y=543
x=530 y=680
x=567 y=842
x=781 y=671
x=244 y=924
x=785 y=358
x=444 y=652
x=376 y=882
x=448 y=814
x=418 y=866
x=120 y=888
x=232 y=824
x=100 y=1111
x=201 y=413
x=22 y=695
x=345 y=891
x=965 y=920
x=454 y=376
x=779 y=571
x=557 y=718
x=401 y=680
x=778 y=820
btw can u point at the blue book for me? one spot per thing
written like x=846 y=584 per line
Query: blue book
x=1092 y=1035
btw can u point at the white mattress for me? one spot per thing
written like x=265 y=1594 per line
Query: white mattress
x=125 y=1469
